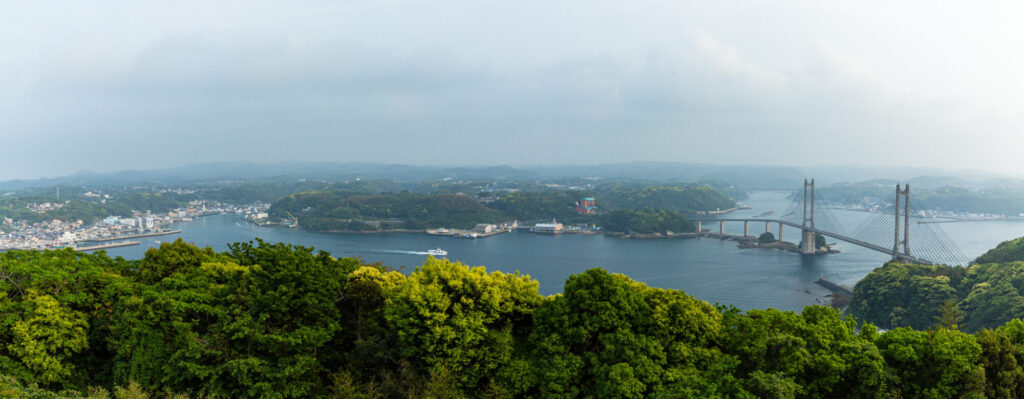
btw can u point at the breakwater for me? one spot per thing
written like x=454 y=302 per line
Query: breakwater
x=105 y=246
x=835 y=288
x=128 y=237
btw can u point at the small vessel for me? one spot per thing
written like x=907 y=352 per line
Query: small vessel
x=437 y=252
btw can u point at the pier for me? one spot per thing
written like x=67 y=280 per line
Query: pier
x=105 y=246
x=835 y=288
x=128 y=237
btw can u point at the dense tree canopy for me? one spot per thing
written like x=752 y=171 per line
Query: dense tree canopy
x=281 y=321
x=645 y=221
x=986 y=294
x=664 y=207
x=1006 y=251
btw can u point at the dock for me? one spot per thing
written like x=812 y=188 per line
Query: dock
x=462 y=233
x=723 y=211
x=835 y=288
x=105 y=246
x=129 y=237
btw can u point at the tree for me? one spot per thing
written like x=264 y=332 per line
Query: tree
x=254 y=322
x=936 y=363
x=766 y=238
x=450 y=318
x=949 y=316
x=1004 y=377
x=1006 y=251
x=608 y=336
x=900 y=294
x=48 y=337
x=814 y=354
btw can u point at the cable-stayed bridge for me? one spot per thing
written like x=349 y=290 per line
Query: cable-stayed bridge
x=897 y=228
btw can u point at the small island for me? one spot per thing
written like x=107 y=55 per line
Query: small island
x=626 y=209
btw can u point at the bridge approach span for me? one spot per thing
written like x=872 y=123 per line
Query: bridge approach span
x=851 y=240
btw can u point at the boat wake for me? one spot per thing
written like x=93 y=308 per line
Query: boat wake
x=390 y=251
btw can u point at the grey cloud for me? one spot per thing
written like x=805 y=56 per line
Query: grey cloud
x=403 y=82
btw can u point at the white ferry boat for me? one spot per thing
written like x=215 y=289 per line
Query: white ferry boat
x=437 y=252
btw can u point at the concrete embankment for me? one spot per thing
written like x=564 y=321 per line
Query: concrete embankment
x=463 y=233
x=128 y=237
x=835 y=288
x=105 y=246
x=648 y=236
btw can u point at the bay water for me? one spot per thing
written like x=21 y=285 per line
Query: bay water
x=710 y=269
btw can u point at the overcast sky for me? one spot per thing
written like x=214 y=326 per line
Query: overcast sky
x=104 y=85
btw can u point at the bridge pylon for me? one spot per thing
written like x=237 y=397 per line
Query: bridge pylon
x=905 y=241
x=807 y=242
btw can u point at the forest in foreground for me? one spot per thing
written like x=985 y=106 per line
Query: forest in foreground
x=280 y=321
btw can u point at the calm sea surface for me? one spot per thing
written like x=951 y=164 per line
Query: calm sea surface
x=709 y=269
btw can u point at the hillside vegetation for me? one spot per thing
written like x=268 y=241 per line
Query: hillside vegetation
x=984 y=295
x=1006 y=251
x=275 y=320
x=360 y=211
x=646 y=221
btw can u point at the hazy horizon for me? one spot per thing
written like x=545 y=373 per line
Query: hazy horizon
x=827 y=174
x=109 y=86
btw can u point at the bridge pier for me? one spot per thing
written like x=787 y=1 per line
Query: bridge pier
x=699 y=227
x=721 y=227
x=746 y=228
x=780 y=231
x=767 y=226
x=807 y=246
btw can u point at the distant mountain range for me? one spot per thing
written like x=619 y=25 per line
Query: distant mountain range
x=746 y=176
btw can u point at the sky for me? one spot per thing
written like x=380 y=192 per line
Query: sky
x=105 y=85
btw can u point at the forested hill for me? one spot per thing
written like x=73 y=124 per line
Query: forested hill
x=359 y=211
x=986 y=294
x=273 y=320
x=941 y=194
x=684 y=199
x=326 y=210
x=1006 y=251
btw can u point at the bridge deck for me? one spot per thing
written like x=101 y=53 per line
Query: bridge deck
x=851 y=240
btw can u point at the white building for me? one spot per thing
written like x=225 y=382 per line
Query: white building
x=485 y=228
x=548 y=228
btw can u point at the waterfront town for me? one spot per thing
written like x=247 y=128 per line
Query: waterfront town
x=111 y=231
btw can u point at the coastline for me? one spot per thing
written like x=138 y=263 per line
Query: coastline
x=652 y=236
x=367 y=231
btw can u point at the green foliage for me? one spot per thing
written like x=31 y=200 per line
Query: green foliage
x=86 y=211
x=933 y=364
x=1006 y=251
x=766 y=238
x=450 y=318
x=361 y=211
x=645 y=221
x=156 y=202
x=994 y=200
x=1004 y=377
x=281 y=321
x=900 y=294
x=48 y=337
x=611 y=337
x=342 y=211
x=686 y=199
x=949 y=316
x=984 y=295
x=539 y=205
x=814 y=354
